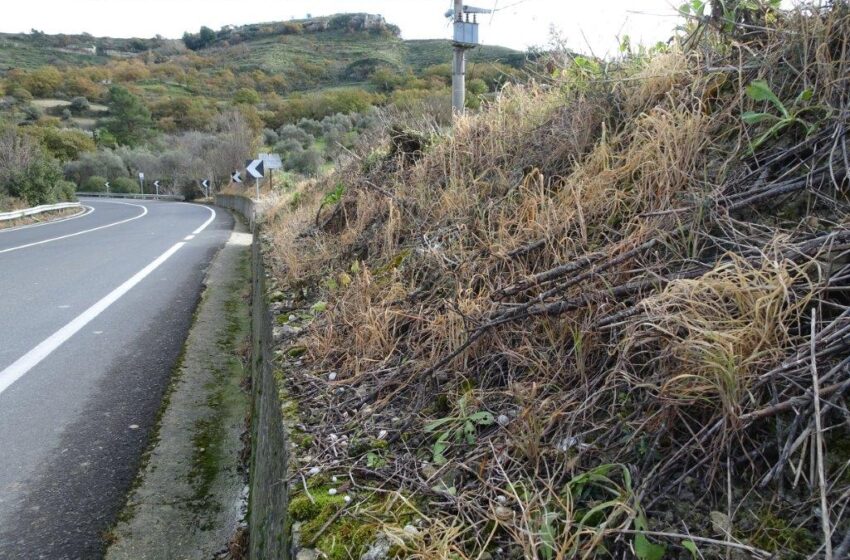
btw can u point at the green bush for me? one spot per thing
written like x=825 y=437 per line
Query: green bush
x=306 y=162
x=37 y=182
x=94 y=184
x=80 y=105
x=124 y=185
x=66 y=191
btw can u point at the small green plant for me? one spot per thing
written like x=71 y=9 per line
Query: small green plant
x=457 y=429
x=607 y=490
x=334 y=196
x=759 y=90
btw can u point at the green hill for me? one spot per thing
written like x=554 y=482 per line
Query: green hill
x=270 y=66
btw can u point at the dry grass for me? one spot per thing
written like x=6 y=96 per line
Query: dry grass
x=608 y=272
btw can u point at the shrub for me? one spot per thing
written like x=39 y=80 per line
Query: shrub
x=292 y=132
x=66 y=191
x=306 y=162
x=310 y=126
x=95 y=164
x=64 y=145
x=288 y=146
x=246 y=96
x=37 y=182
x=270 y=137
x=32 y=113
x=94 y=184
x=80 y=105
x=124 y=185
x=22 y=95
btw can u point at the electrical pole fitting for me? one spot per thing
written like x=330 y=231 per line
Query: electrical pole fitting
x=465 y=38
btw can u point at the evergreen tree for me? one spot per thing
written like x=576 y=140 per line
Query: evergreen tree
x=130 y=122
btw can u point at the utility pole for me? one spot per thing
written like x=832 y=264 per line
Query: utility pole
x=459 y=66
x=465 y=38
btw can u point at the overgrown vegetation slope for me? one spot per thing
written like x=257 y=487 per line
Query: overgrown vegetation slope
x=605 y=318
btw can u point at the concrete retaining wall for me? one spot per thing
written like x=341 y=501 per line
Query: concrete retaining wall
x=242 y=205
x=269 y=496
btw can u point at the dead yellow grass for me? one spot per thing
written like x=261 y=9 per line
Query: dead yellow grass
x=608 y=272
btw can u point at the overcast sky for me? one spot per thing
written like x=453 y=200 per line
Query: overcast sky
x=584 y=23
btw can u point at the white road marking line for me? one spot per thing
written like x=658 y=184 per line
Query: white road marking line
x=207 y=223
x=142 y=215
x=64 y=307
x=189 y=238
x=89 y=210
x=35 y=356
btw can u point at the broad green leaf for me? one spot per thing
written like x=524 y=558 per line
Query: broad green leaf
x=751 y=117
x=759 y=90
x=431 y=426
x=646 y=550
x=469 y=432
x=440 y=447
x=482 y=418
x=691 y=547
x=805 y=95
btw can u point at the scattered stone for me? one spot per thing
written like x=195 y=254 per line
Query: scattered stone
x=379 y=550
x=720 y=522
x=307 y=554
x=347 y=499
x=314 y=471
x=411 y=530
x=332 y=376
x=382 y=434
x=503 y=419
x=285 y=332
x=332 y=491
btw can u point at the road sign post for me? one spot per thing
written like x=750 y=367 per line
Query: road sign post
x=206 y=185
x=256 y=170
x=142 y=182
x=107 y=187
x=156 y=186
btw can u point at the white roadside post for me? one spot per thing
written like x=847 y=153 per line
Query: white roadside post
x=156 y=185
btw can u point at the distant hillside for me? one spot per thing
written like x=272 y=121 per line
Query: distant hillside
x=342 y=48
x=309 y=90
x=307 y=68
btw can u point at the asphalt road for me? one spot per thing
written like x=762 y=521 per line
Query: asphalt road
x=93 y=315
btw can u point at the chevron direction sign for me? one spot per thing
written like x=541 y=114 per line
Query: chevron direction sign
x=255 y=168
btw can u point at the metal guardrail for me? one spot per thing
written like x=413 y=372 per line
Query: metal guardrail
x=174 y=197
x=18 y=214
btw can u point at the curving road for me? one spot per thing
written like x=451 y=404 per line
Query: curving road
x=94 y=311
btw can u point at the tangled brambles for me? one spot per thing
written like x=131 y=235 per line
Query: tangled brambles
x=590 y=321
